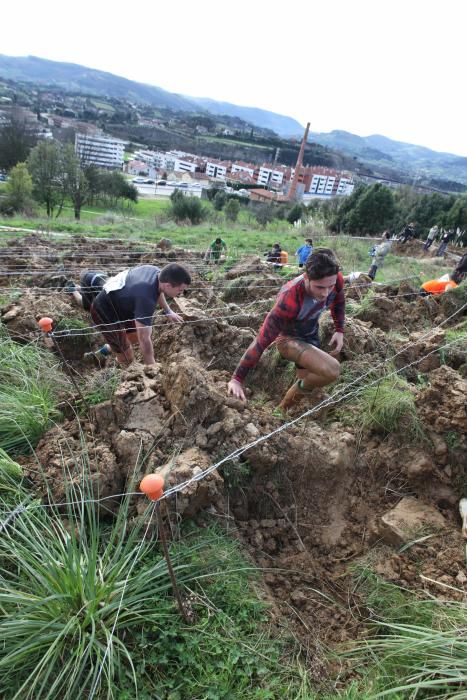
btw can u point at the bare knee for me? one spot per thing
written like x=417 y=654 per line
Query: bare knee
x=332 y=370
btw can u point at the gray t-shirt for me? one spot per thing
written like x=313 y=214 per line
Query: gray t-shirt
x=136 y=300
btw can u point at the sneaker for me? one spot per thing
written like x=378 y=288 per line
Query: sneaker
x=91 y=359
x=69 y=287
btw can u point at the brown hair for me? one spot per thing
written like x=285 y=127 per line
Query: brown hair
x=321 y=263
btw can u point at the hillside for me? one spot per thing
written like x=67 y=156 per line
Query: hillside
x=282 y=125
x=385 y=154
x=73 y=77
x=375 y=154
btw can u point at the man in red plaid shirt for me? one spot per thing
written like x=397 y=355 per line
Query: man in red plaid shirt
x=293 y=323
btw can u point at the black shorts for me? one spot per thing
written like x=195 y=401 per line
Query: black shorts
x=91 y=283
x=114 y=331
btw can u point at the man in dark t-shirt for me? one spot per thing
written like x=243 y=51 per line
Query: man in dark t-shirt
x=123 y=310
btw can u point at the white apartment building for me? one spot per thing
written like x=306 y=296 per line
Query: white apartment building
x=271 y=176
x=217 y=169
x=104 y=152
x=241 y=167
x=346 y=186
x=322 y=184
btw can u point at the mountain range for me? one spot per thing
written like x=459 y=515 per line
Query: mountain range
x=387 y=157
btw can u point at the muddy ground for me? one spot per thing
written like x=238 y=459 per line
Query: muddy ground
x=311 y=502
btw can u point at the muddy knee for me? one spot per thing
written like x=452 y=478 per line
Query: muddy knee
x=332 y=370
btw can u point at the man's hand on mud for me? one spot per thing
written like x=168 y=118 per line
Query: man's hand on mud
x=337 y=340
x=175 y=318
x=234 y=388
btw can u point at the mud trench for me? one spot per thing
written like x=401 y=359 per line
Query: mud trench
x=311 y=503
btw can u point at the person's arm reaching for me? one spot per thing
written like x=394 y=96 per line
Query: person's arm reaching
x=171 y=315
x=337 y=309
x=145 y=343
x=285 y=309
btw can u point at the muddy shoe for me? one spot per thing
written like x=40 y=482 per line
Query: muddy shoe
x=292 y=397
x=94 y=359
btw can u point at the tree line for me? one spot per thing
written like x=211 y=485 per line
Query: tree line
x=374 y=208
x=53 y=175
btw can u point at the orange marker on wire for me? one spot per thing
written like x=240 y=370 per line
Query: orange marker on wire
x=46 y=325
x=153 y=486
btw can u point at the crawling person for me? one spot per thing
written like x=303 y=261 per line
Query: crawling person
x=293 y=323
x=123 y=310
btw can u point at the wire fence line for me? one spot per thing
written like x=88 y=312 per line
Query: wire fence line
x=92 y=330
x=337 y=397
x=208 y=285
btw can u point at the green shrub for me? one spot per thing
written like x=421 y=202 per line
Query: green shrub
x=187 y=208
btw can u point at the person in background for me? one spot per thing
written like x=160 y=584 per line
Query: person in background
x=293 y=324
x=460 y=271
x=432 y=233
x=380 y=252
x=274 y=255
x=408 y=233
x=215 y=250
x=304 y=251
x=446 y=238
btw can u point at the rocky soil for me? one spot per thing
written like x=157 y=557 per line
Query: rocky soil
x=309 y=502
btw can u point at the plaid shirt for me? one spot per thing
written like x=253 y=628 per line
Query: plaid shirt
x=295 y=314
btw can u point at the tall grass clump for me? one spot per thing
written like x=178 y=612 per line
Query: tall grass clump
x=29 y=385
x=388 y=407
x=419 y=648
x=86 y=610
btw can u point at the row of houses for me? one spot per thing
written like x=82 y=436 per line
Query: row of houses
x=312 y=180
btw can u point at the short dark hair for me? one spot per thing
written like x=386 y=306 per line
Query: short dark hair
x=218 y=240
x=175 y=274
x=309 y=240
x=321 y=263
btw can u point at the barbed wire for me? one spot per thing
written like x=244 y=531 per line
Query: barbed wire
x=99 y=330
x=339 y=395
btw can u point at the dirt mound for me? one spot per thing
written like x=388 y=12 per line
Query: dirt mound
x=308 y=500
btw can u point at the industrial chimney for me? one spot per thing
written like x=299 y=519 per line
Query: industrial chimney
x=298 y=166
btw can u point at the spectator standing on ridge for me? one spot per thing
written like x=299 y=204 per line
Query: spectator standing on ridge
x=304 y=251
x=215 y=250
x=407 y=233
x=446 y=238
x=123 y=310
x=380 y=253
x=432 y=233
x=460 y=271
x=293 y=323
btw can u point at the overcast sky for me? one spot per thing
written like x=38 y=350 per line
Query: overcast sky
x=396 y=68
